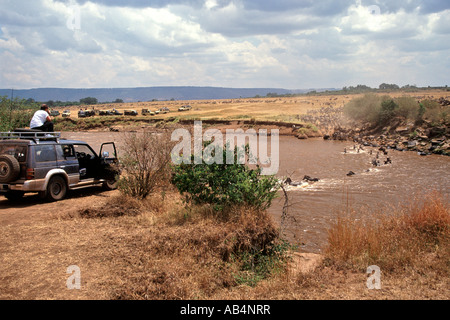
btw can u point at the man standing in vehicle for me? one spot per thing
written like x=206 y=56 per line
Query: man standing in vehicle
x=41 y=120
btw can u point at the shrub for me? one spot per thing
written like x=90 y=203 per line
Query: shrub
x=408 y=108
x=366 y=108
x=146 y=163
x=15 y=113
x=434 y=112
x=225 y=185
x=388 y=111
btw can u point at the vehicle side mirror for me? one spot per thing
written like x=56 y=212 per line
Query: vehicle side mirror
x=105 y=154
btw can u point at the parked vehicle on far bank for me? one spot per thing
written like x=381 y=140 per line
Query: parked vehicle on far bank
x=66 y=113
x=105 y=113
x=146 y=112
x=86 y=113
x=116 y=112
x=185 y=108
x=162 y=110
x=36 y=161
x=130 y=113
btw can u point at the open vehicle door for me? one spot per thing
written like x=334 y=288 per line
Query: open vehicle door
x=108 y=152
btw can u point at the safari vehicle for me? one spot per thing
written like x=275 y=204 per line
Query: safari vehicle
x=86 y=113
x=162 y=110
x=105 y=113
x=116 y=112
x=184 y=108
x=130 y=113
x=54 y=113
x=147 y=112
x=66 y=113
x=36 y=161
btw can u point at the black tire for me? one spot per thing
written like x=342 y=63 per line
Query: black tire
x=111 y=184
x=112 y=180
x=56 y=189
x=9 y=168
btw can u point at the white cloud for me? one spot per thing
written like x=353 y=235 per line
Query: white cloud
x=222 y=43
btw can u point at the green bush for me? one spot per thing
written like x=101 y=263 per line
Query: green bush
x=380 y=110
x=225 y=185
x=388 y=111
x=15 y=113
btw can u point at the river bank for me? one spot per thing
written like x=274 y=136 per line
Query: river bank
x=425 y=138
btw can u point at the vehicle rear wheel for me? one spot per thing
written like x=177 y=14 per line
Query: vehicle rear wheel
x=56 y=189
x=9 y=168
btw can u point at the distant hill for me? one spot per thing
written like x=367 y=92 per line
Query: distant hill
x=146 y=93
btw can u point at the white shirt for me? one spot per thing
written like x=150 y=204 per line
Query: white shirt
x=38 y=119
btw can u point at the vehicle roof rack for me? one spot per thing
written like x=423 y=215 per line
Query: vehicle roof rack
x=30 y=134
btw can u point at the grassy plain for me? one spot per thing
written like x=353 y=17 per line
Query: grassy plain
x=288 y=109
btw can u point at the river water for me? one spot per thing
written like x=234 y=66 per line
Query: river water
x=371 y=190
x=314 y=207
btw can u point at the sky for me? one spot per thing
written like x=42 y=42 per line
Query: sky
x=290 y=44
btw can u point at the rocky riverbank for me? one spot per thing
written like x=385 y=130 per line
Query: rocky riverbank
x=425 y=138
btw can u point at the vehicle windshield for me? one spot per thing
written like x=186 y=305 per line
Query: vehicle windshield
x=83 y=151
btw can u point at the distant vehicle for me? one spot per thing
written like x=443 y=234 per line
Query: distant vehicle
x=147 y=112
x=54 y=113
x=184 y=108
x=86 y=113
x=66 y=113
x=130 y=112
x=163 y=110
x=105 y=113
x=116 y=112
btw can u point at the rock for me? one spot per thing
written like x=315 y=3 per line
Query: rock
x=436 y=132
x=401 y=130
x=436 y=142
x=302 y=136
x=351 y=173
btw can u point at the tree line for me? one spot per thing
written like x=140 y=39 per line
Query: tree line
x=360 y=88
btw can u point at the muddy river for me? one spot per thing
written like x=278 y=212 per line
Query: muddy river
x=370 y=190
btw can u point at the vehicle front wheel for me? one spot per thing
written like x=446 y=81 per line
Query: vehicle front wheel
x=111 y=184
x=56 y=189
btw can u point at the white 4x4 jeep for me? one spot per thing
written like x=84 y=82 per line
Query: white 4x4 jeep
x=36 y=161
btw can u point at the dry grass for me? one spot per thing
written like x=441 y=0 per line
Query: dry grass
x=170 y=252
x=417 y=237
x=187 y=257
x=157 y=249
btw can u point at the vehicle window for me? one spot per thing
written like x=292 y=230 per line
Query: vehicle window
x=45 y=153
x=19 y=152
x=65 y=151
x=83 y=151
